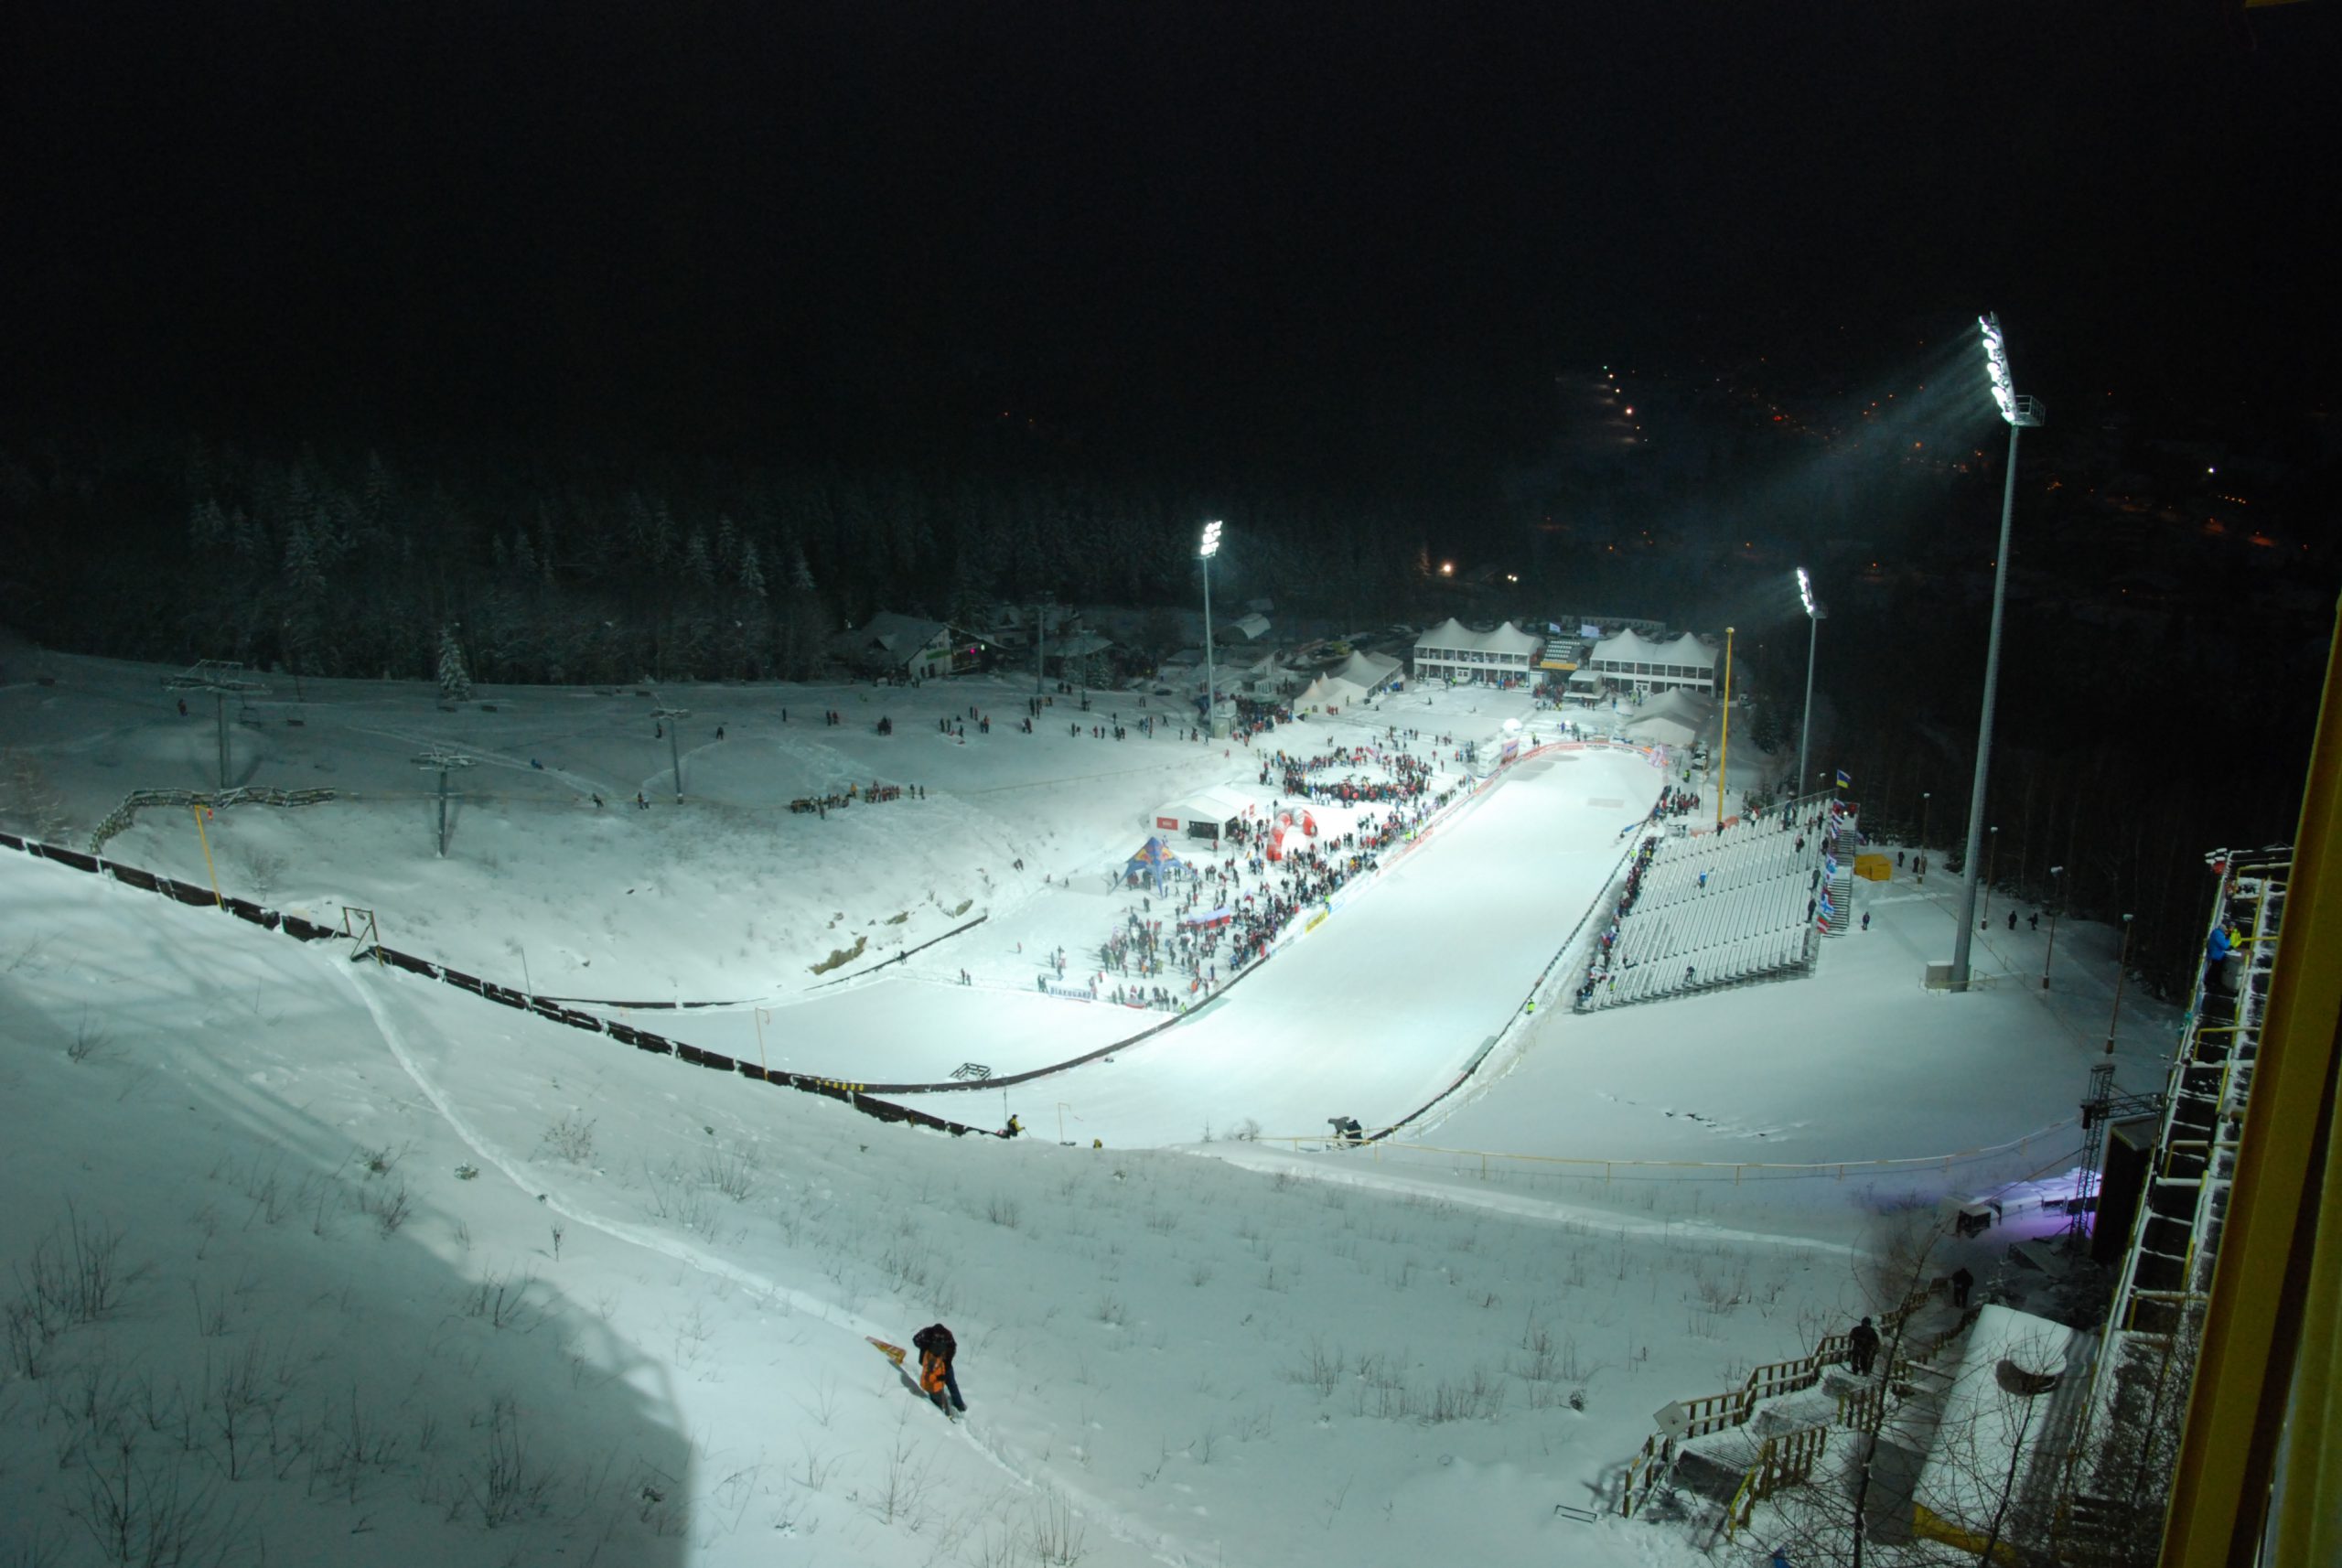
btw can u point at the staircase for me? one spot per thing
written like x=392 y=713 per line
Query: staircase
x=2147 y=1358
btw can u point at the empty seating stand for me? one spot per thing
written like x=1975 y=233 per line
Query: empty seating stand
x=1746 y=920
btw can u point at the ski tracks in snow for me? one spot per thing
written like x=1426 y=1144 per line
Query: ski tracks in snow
x=674 y=1248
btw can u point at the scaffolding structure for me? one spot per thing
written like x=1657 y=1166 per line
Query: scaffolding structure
x=2120 y=1467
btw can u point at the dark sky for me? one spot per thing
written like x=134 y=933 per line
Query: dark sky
x=1365 y=232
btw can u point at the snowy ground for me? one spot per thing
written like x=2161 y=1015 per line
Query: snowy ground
x=1169 y=1358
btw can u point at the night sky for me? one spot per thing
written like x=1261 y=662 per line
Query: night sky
x=1307 y=239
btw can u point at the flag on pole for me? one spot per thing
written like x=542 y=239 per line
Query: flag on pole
x=1842 y=780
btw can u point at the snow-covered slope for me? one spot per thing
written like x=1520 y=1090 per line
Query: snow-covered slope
x=636 y=1334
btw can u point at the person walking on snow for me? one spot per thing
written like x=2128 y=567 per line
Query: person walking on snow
x=1862 y=1347
x=936 y=1349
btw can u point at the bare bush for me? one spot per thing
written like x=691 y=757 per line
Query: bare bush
x=510 y=1485
x=387 y=1204
x=571 y=1138
x=733 y=1174
x=89 y=1042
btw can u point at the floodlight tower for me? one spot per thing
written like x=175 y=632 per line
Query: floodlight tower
x=1212 y=689
x=2020 y=413
x=1815 y=612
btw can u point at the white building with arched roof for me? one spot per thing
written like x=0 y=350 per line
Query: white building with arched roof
x=1454 y=651
x=1639 y=663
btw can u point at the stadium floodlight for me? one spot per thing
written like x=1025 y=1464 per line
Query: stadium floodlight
x=2020 y=413
x=1211 y=690
x=1815 y=612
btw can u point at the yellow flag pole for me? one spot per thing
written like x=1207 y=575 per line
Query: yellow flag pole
x=205 y=838
x=1723 y=761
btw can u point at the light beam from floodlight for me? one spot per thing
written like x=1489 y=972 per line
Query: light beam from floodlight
x=2020 y=413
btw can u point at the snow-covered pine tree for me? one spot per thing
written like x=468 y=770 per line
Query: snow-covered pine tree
x=727 y=547
x=752 y=571
x=207 y=525
x=304 y=599
x=699 y=567
x=455 y=681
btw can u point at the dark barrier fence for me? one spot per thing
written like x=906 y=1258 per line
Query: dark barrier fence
x=549 y=1008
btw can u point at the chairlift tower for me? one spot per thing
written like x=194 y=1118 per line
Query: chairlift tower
x=443 y=763
x=222 y=678
x=673 y=718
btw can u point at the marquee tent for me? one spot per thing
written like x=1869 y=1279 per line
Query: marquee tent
x=1670 y=718
x=1327 y=691
x=1370 y=671
x=1631 y=657
x=1207 y=813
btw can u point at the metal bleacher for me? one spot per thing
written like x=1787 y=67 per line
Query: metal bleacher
x=1714 y=909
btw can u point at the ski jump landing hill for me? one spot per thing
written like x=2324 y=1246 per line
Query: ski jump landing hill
x=1417 y=978
x=1379 y=1002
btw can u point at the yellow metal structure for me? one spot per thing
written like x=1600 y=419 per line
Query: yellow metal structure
x=204 y=839
x=1723 y=756
x=2270 y=1335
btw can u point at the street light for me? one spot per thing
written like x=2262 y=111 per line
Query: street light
x=2056 y=889
x=1212 y=689
x=2019 y=411
x=2120 y=965
x=1814 y=614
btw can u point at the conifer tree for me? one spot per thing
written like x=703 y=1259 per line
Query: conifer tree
x=699 y=570
x=455 y=681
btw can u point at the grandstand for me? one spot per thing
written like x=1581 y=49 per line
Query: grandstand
x=1719 y=908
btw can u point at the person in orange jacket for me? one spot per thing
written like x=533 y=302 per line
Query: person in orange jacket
x=936 y=1349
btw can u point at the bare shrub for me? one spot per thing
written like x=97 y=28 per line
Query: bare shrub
x=386 y=1204
x=571 y=1138
x=89 y=1042
x=733 y=1174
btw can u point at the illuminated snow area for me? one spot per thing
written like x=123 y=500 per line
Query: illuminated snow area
x=1174 y=1350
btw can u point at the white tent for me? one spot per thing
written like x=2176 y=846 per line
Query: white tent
x=1328 y=692
x=1203 y=814
x=1449 y=633
x=1632 y=657
x=1370 y=671
x=1671 y=718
